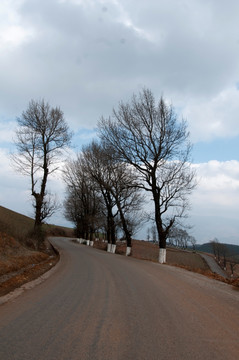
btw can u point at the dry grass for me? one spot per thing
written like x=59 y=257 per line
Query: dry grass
x=18 y=263
x=19 y=226
x=15 y=224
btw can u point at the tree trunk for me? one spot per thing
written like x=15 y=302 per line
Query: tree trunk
x=111 y=227
x=125 y=228
x=38 y=235
x=128 y=250
x=38 y=210
x=160 y=230
x=162 y=256
x=113 y=248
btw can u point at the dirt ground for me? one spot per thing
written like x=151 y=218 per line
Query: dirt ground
x=19 y=265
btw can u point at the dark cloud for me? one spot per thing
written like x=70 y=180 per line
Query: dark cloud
x=86 y=56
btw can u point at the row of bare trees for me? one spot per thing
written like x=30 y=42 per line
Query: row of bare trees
x=180 y=238
x=106 y=196
x=223 y=256
x=147 y=136
x=143 y=147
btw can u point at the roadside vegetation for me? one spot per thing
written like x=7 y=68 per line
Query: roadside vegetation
x=19 y=261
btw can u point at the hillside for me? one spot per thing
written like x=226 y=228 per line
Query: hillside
x=15 y=224
x=18 y=225
x=19 y=263
x=232 y=250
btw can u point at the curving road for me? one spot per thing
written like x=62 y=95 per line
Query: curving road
x=213 y=265
x=100 y=306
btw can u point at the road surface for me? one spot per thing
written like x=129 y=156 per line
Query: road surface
x=213 y=265
x=100 y=306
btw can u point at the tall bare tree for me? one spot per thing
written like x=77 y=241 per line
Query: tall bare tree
x=97 y=167
x=149 y=137
x=41 y=136
x=83 y=205
x=116 y=182
x=193 y=242
x=216 y=249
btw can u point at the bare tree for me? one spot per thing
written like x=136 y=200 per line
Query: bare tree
x=116 y=183
x=83 y=205
x=193 y=242
x=149 y=137
x=179 y=237
x=223 y=249
x=97 y=167
x=233 y=262
x=41 y=136
x=154 y=233
x=216 y=249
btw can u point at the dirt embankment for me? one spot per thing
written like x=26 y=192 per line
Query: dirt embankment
x=19 y=264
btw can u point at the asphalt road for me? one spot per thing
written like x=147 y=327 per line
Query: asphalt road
x=213 y=265
x=100 y=306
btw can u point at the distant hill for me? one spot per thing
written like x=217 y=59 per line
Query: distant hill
x=207 y=247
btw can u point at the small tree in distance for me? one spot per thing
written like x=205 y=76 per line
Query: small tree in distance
x=41 y=136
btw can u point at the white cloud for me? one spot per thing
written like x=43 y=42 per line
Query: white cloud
x=215 y=116
x=7 y=132
x=13 y=31
x=14 y=193
x=83 y=53
x=214 y=211
x=88 y=55
x=218 y=187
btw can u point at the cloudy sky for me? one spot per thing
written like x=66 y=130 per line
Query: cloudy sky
x=87 y=55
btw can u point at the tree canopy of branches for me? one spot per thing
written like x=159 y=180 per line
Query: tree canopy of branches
x=115 y=181
x=149 y=137
x=83 y=205
x=41 y=136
